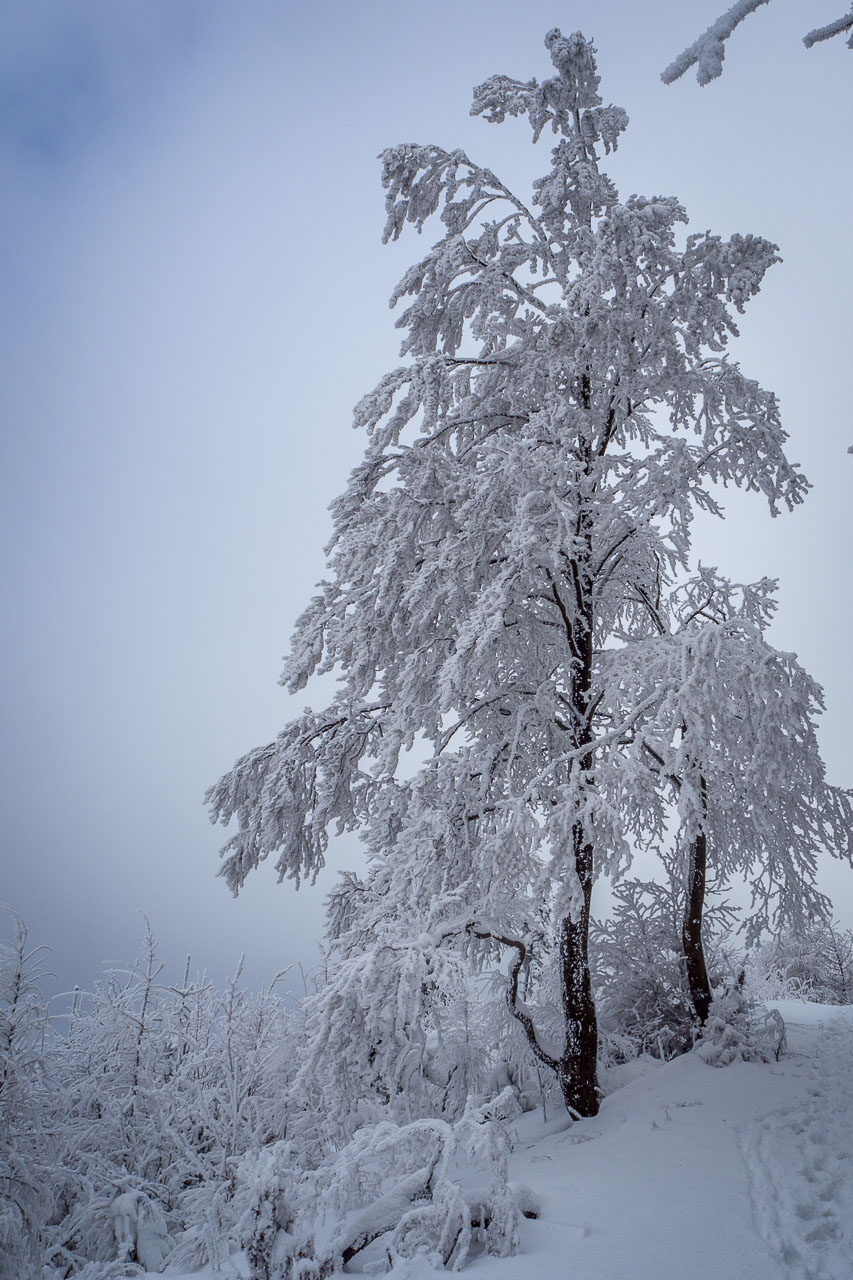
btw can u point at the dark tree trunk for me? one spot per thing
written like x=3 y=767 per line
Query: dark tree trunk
x=691 y=929
x=577 y=1071
x=578 y=1068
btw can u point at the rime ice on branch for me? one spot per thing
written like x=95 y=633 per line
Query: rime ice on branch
x=500 y=564
x=707 y=53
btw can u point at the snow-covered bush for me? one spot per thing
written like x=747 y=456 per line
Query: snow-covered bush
x=815 y=964
x=739 y=1030
x=123 y=1136
x=394 y=1031
x=426 y=1187
x=412 y=1019
x=141 y=1234
x=164 y=1088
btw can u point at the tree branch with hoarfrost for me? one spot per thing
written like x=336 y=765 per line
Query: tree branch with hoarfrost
x=708 y=52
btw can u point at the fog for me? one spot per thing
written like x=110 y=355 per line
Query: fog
x=195 y=294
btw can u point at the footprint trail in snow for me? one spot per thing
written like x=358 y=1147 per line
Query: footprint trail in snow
x=800 y=1165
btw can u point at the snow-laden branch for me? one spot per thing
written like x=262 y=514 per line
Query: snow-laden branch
x=836 y=28
x=708 y=52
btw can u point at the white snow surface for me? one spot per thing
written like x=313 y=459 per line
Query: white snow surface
x=737 y=1173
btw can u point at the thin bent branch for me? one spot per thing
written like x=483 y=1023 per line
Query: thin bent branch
x=520 y=1014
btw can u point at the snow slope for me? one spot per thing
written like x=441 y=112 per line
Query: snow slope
x=737 y=1173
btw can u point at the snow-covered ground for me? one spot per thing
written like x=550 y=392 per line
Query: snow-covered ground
x=739 y=1173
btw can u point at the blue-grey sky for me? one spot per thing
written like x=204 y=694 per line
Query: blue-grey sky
x=194 y=296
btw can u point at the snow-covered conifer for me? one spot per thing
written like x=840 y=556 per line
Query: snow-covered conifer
x=566 y=402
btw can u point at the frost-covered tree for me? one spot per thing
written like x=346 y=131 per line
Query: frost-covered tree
x=812 y=964
x=708 y=51
x=640 y=974
x=27 y=1148
x=734 y=742
x=531 y=471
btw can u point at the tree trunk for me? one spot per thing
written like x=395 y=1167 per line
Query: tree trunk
x=691 y=929
x=578 y=1068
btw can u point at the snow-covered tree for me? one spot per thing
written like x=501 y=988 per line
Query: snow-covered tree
x=27 y=1150
x=812 y=964
x=734 y=741
x=640 y=973
x=708 y=51
x=526 y=496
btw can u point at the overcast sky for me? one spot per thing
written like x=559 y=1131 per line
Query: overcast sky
x=195 y=295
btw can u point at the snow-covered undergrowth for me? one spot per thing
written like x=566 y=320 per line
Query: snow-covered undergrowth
x=163 y=1126
x=743 y=1172
x=163 y=1134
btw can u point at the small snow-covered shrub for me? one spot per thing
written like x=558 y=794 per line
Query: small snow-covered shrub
x=267 y=1203
x=392 y=1028
x=739 y=1030
x=139 y=1227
